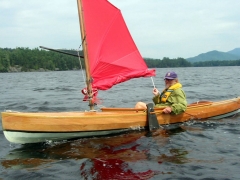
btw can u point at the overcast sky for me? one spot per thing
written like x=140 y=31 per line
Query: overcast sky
x=160 y=28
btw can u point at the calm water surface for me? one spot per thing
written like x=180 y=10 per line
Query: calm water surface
x=195 y=150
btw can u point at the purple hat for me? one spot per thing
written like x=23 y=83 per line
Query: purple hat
x=170 y=75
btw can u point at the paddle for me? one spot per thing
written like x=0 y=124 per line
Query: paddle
x=61 y=52
x=152 y=118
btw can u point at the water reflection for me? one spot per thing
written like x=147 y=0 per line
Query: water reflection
x=112 y=155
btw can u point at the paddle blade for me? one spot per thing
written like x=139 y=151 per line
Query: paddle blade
x=152 y=118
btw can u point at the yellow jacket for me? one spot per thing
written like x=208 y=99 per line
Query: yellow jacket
x=173 y=97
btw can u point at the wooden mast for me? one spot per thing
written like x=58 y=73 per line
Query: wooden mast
x=85 y=52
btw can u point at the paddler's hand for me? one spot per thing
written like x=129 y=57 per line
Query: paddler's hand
x=167 y=110
x=155 y=91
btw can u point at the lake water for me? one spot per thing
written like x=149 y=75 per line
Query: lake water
x=195 y=150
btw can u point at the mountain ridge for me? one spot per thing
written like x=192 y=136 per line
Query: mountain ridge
x=215 y=55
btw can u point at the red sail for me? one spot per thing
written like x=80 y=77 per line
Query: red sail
x=113 y=55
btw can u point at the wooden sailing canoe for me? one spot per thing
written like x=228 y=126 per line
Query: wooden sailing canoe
x=24 y=127
x=111 y=57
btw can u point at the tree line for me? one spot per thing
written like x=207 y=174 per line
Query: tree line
x=34 y=59
x=166 y=62
x=181 y=62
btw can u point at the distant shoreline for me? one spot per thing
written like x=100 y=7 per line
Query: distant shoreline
x=18 y=69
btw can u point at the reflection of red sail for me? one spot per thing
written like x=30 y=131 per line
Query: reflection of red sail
x=113 y=55
x=114 y=169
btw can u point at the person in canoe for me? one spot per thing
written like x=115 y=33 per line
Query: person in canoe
x=173 y=98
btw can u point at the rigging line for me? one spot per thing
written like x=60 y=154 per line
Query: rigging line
x=84 y=78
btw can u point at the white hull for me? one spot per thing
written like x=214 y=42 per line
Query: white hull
x=37 y=137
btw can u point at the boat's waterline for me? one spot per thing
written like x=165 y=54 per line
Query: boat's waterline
x=37 y=137
x=233 y=113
